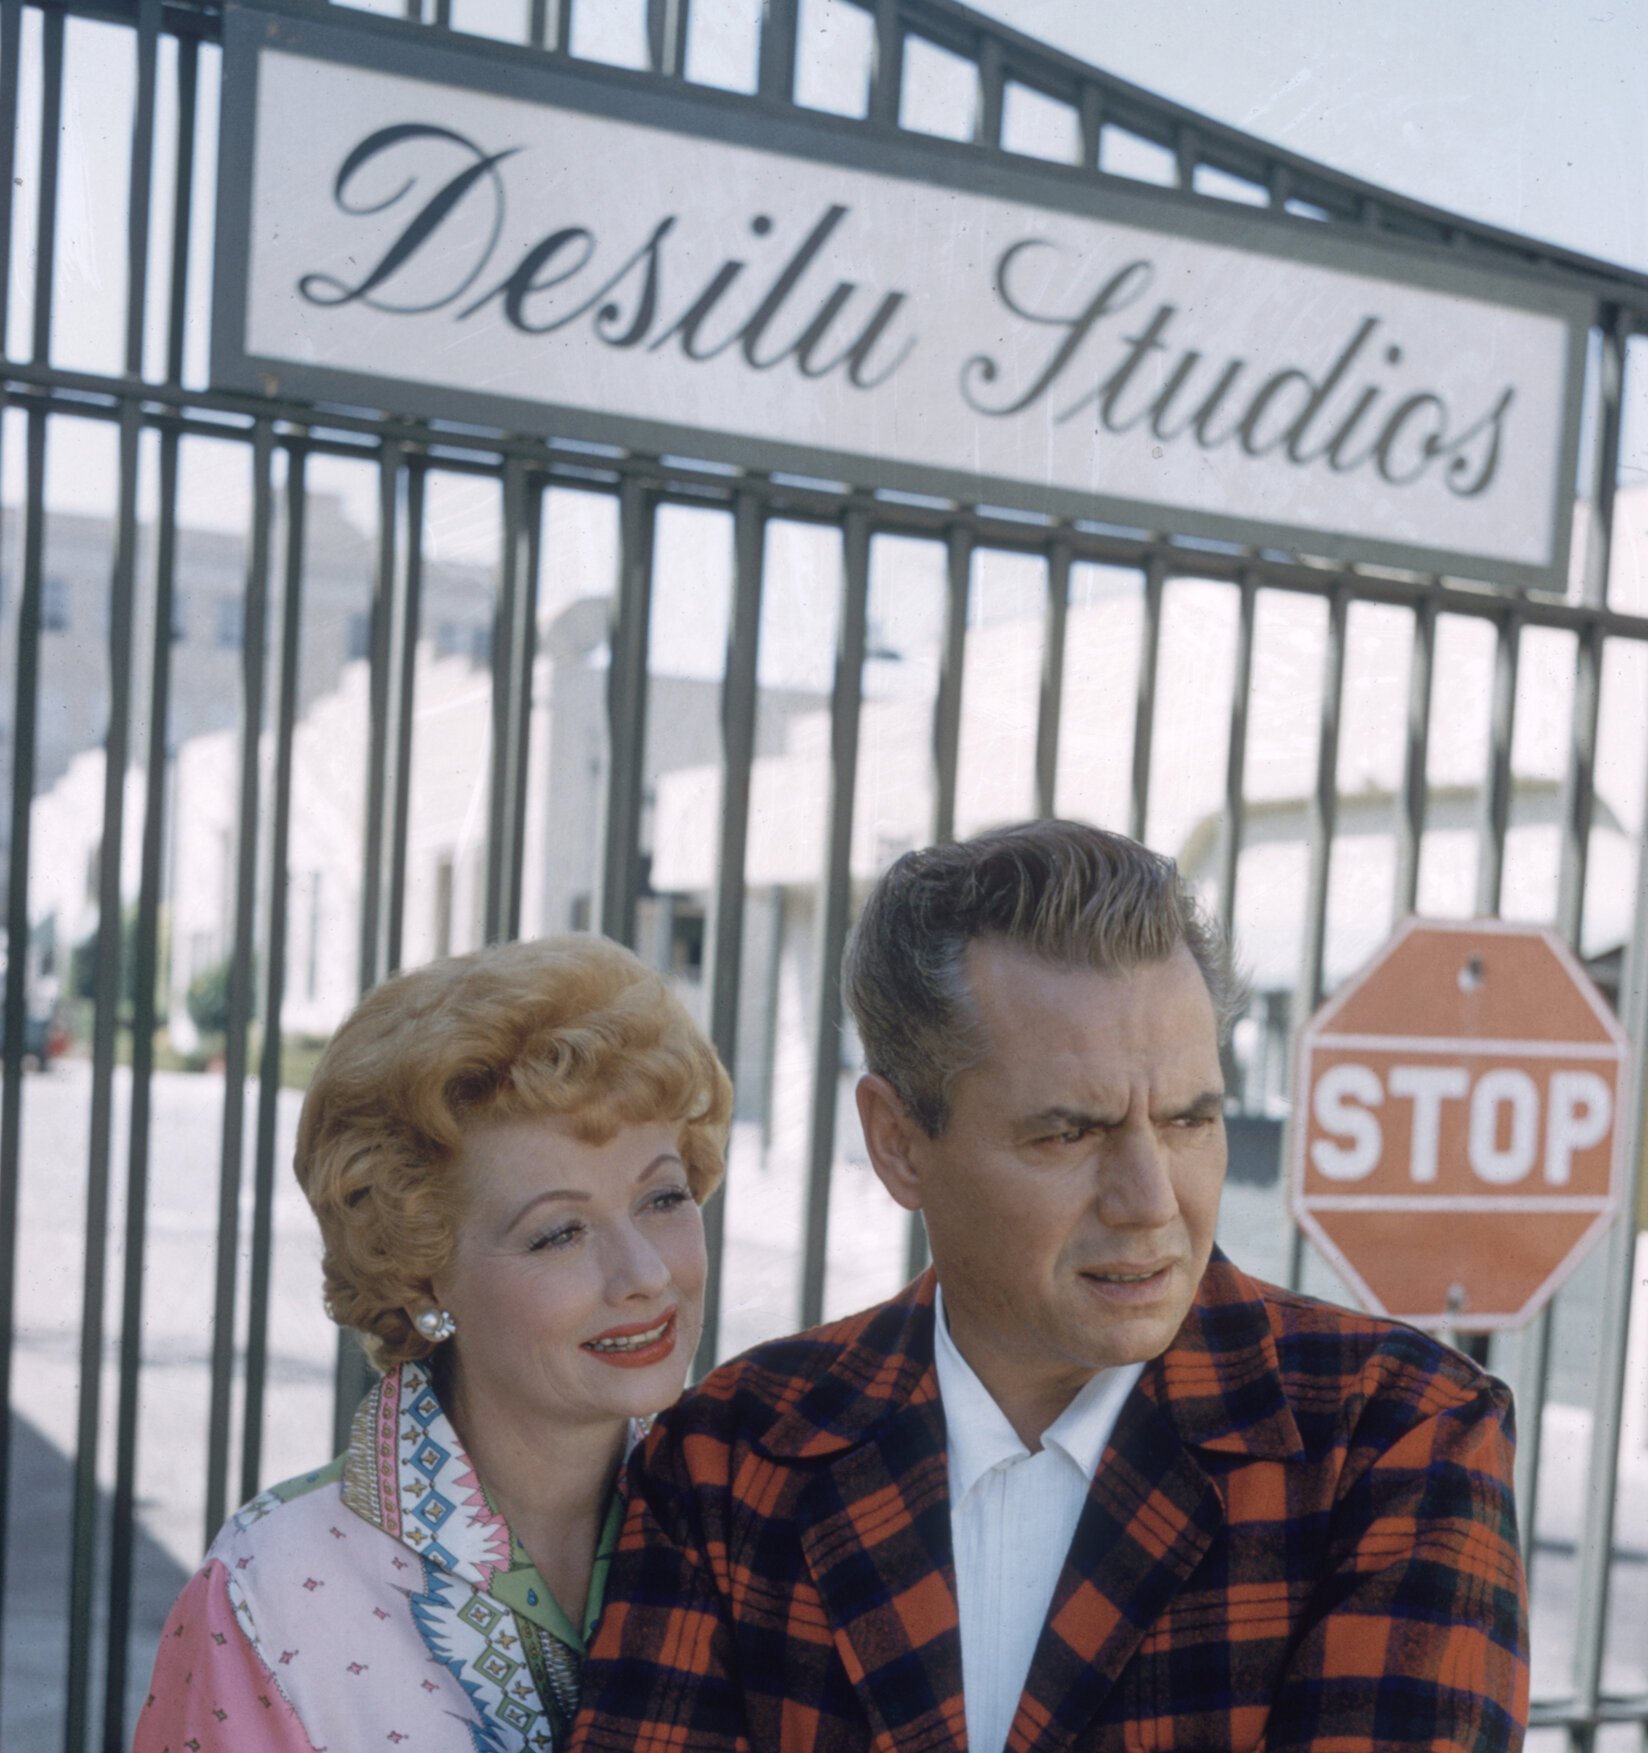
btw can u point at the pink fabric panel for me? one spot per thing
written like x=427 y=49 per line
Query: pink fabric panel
x=210 y=1693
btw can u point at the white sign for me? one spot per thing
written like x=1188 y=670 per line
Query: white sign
x=594 y=258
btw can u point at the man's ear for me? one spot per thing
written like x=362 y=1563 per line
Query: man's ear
x=890 y=1136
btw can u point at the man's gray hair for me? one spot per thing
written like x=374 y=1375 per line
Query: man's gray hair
x=1072 y=894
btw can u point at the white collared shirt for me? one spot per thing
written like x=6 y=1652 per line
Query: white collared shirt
x=1012 y=1518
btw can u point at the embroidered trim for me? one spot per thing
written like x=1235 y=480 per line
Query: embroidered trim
x=486 y=1649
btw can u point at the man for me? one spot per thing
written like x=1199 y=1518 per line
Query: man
x=1084 y=1484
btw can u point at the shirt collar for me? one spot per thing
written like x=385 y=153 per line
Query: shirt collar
x=405 y=1471
x=979 y=1434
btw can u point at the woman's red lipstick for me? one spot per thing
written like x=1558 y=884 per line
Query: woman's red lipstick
x=631 y=1348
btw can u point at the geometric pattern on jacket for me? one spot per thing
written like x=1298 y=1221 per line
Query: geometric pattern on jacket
x=371 y=1603
x=1301 y=1535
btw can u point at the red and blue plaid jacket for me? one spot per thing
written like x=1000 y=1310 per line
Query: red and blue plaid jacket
x=1301 y=1535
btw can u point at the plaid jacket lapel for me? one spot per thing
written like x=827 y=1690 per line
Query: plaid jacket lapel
x=875 y=1526
x=1152 y=1512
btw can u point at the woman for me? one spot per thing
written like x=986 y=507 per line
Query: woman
x=506 y=1152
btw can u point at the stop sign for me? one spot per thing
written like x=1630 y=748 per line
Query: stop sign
x=1457 y=1134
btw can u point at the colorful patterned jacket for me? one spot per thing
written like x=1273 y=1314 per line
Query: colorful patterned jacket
x=1301 y=1535
x=376 y=1602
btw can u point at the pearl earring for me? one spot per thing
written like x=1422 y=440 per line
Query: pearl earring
x=435 y=1325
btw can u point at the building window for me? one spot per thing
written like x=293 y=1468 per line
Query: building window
x=180 y=616
x=357 y=638
x=231 y=623
x=54 y=605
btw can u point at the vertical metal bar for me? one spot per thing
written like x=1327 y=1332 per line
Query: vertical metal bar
x=1050 y=704
x=123 y=1529
x=25 y=728
x=1496 y=789
x=739 y=708
x=1230 y=832
x=1411 y=792
x=188 y=86
x=505 y=631
x=531 y=539
x=775 y=76
x=1578 y=796
x=667 y=36
x=846 y=701
x=627 y=712
x=1533 y=1374
x=1092 y=125
x=11 y=34
x=142 y=183
x=105 y=1025
x=1596 y=1545
x=352 y=1376
x=1618 y=1263
x=1187 y=152
x=512 y=658
x=946 y=752
x=51 y=134
x=25 y=732
x=443 y=14
x=242 y=976
x=145 y=970
x=379 y=851
x=401 y=805
x=1577 y=809
x=1616 y=331
x=544 y=25
x=380 y=693
x=992 y=86
x=1324 y=815
x=1578 y=802
x=947 y=702
x=1144 y=706
x=887 y=66
x=1495 y=823
x=274 y=984
x=1279 y=186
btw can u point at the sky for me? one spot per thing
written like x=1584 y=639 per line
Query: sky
x=1530 y=114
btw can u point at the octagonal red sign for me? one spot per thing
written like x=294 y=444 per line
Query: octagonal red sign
x=1457 y=1137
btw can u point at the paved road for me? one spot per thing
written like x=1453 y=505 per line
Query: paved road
x=764 y=1219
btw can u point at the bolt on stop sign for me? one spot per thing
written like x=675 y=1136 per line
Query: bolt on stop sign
x=1456 y=1142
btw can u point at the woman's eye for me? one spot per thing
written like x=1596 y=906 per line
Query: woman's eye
x=670 y=1199
x=561 y=1237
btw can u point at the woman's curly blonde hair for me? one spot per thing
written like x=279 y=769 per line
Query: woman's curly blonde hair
x=570 y=1026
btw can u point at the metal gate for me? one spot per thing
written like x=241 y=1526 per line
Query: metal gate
x=888 y=668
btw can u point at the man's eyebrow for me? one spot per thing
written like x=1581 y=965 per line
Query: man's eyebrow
x=1208 y=1102
x=1062 y=1119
